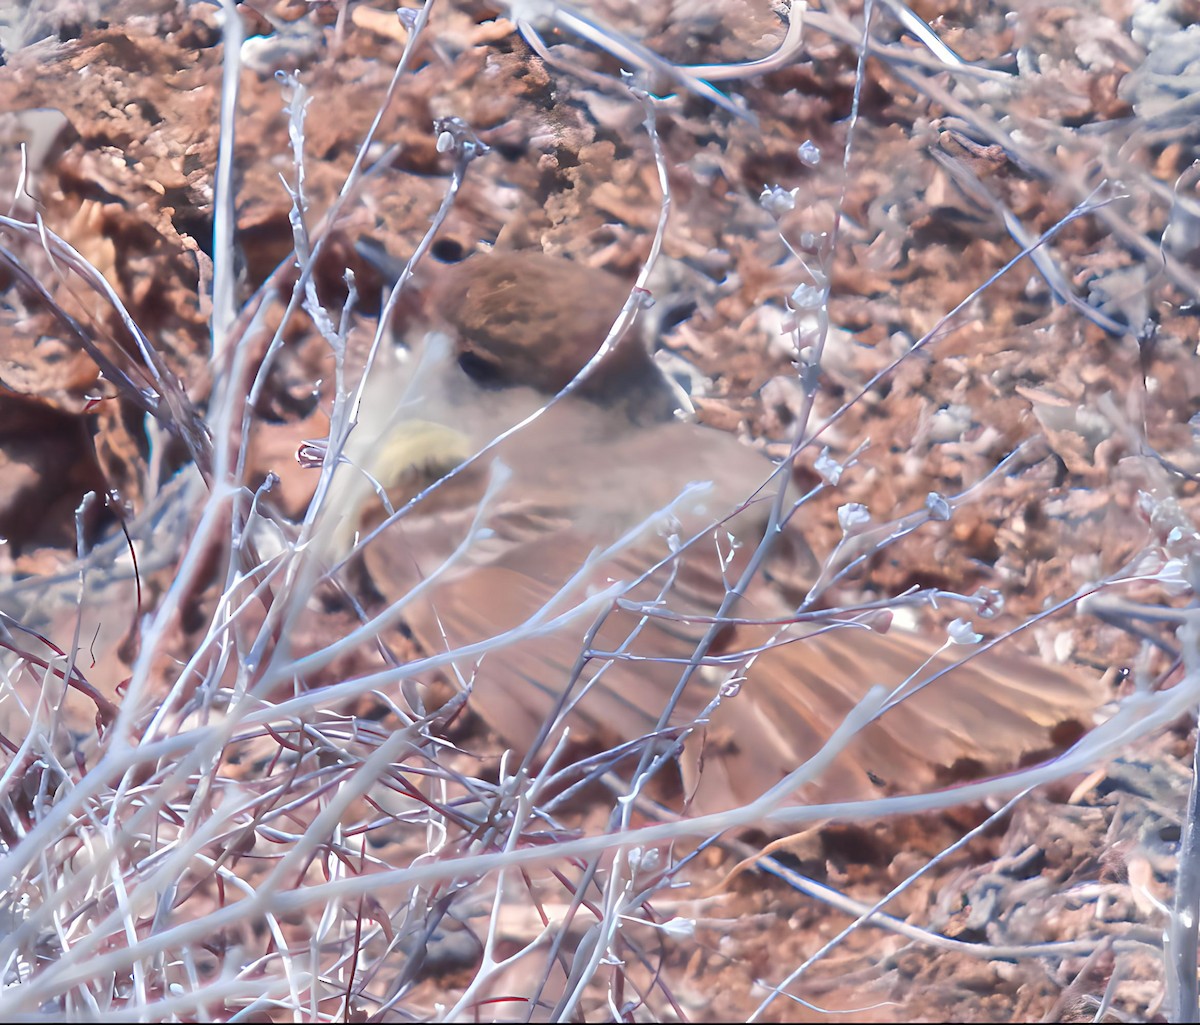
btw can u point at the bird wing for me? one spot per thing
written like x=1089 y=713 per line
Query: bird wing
x=983 y=715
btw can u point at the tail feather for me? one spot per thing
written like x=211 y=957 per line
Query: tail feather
x=982 y=716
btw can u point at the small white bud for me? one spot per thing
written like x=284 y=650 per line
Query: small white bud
x=679 y=928
x=807 y=297
x=809 y=153
x=990 y=602
x=937 y=507
x=853 y=516
x=829 y=468
x=777 y=201
x=961 y=632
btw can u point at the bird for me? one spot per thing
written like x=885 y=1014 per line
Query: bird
x=594 y=537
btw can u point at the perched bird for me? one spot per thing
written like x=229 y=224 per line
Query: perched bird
x=605 y=488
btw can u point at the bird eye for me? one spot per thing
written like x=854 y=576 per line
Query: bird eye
x=448 y=250
x=483 y=372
